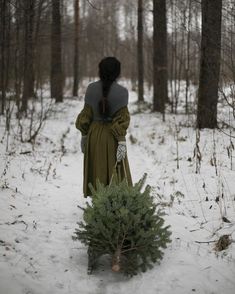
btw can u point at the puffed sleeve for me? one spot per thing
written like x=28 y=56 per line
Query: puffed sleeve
x=84 y=119
x=120 y=123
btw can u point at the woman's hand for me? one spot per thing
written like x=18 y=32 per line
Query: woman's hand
x=121 y=151
x=83 y=143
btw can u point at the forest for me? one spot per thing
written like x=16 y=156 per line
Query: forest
x=178 y=64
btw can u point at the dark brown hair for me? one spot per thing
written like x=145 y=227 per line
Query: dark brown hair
x=109 y=70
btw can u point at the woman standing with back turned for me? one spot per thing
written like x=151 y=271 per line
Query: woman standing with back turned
x=103 y=123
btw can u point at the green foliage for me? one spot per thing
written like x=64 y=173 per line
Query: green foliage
x=123 y=218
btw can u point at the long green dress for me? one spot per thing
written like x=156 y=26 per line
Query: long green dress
x=101 y=146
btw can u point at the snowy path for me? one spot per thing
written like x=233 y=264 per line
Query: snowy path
x=40 y=192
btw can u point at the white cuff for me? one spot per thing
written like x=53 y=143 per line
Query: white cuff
x=122 y=142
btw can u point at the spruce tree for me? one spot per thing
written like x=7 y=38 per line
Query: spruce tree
x=125 y=223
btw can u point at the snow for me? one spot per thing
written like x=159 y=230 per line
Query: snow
x=40 y=191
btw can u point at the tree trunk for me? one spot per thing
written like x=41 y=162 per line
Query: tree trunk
x=140 y=57
x=56 y=54
x=76 y=48
x=37 y=45
x=8 y=46
x=28 y=88
x=210 y=64
x=160 y=76
x=187 y=69
x=2 y=56
x=17 y=81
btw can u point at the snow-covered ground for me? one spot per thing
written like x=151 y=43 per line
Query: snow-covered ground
x=41 y=188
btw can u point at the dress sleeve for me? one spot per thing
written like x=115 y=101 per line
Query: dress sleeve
x=120 y=123
x=84 y=119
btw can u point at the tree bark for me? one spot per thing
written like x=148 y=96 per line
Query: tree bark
x=76 y=48
x=209 y=64
x=140 y=56
x=56 y=53
x=160 y=75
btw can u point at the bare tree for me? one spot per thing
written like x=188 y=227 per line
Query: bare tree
x=210 y=64
x=28 y=89
x=39 y=11
x=3 y=9
x=160 y=92
x=17 y=59
x=56 y=55
x=187 y=69
x=76 y=47
x=140 y=55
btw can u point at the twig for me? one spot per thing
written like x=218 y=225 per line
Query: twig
x=81 y=207
x=133 y=248
x=92 y=5
x=205 y=241
x=17 y=222
x=25 y=152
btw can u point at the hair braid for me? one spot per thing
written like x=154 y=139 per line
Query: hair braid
x=109 y=70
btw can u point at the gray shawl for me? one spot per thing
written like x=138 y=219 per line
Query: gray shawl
x=117 y=98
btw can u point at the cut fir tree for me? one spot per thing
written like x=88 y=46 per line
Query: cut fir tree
x=125 y=223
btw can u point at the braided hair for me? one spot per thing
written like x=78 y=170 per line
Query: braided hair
x=109 y=70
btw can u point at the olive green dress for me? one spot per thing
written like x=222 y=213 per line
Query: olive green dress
x=101 y=146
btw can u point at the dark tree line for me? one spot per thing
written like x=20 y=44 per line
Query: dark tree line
x=162 y=44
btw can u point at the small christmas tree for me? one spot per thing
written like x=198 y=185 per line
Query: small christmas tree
x=124 y=222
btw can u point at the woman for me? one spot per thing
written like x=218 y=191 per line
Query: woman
x=103 y=123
